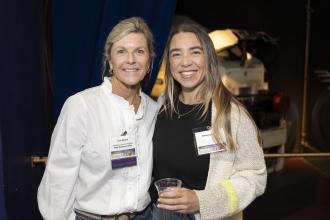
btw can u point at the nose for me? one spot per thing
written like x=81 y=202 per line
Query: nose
x=186 y=60
x=131 y=58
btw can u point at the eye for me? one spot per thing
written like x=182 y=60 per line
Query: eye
x=175 y=54
x=120 y=51
x=141 y=51
x=196 y=52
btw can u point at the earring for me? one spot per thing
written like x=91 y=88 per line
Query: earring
x=148 y=70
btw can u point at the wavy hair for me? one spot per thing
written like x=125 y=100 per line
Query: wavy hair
x=212 y=89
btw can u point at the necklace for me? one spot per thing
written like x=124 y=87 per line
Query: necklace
x=185 y=113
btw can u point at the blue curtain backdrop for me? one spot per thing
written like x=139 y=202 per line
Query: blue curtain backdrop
x=2 y=186
x=23 y=110
x=80 y=29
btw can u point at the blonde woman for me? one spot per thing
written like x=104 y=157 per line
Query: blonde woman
x=100 y=158
x=203 y=136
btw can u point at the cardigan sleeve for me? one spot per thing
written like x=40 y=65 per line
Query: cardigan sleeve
x=56 y=191
x=230 y=195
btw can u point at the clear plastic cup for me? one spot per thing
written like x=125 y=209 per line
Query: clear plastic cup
x=163 y=184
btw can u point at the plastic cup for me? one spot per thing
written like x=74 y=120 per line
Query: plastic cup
x=163 y=184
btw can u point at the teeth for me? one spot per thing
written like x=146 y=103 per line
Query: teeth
x=187 y=74
x=187 y=71
x=131 y=70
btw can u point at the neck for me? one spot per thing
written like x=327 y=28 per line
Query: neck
x=129 y=93
x=189 y=98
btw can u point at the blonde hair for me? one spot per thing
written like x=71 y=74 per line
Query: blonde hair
x=120 y=30
x=212 y=89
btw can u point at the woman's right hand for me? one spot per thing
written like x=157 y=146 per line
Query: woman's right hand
x=180 y=200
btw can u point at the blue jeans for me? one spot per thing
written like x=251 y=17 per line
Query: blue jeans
x=146 y=214
x=80 y=216
x=83 y=217
x=152 y=212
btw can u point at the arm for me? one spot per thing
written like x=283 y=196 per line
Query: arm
x=56 y=192
x=230 y=196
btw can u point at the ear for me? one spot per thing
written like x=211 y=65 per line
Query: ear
x=110 y=65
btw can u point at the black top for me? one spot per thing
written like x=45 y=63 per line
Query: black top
x=174 y=151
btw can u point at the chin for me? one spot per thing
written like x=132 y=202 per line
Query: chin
x=132 y=82
x=189 y=85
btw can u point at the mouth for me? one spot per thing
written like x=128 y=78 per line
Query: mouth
x=187 y=73
x=130 y=70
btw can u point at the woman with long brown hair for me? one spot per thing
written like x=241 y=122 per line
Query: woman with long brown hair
x=203 y=136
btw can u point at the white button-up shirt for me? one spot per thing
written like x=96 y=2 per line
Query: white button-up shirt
x=78 y=174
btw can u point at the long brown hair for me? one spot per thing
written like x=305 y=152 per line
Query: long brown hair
x=208 y=85
x=212 y=88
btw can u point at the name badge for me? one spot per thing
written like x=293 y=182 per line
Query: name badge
x=123 y=151
x=205 y=143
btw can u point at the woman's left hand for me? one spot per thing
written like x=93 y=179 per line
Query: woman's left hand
x=180 y=200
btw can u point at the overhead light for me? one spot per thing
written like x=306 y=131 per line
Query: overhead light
x=223 y=38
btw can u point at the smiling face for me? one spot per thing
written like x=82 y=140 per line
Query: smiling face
x=129 y=60
x=187 y=61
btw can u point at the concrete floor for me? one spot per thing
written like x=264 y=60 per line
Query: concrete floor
x=301 y=190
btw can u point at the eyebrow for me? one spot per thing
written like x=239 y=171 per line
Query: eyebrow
x=124 y=47
x=191 y=48
x=197 y=47
x=174 y=50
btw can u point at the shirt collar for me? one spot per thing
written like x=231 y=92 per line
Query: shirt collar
x=107 y=87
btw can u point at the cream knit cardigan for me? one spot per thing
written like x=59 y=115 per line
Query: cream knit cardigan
x=235 y=178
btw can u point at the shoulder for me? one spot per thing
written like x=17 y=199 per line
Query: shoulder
x=90 y=93
x=243 y=125
x=239 y=118
x=79 y=101
x=86 y=98
x=74 y=101
x=239 y=114
x=151 y=105
x=161 y=99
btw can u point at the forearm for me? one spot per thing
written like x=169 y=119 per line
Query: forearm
x=231 y=196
